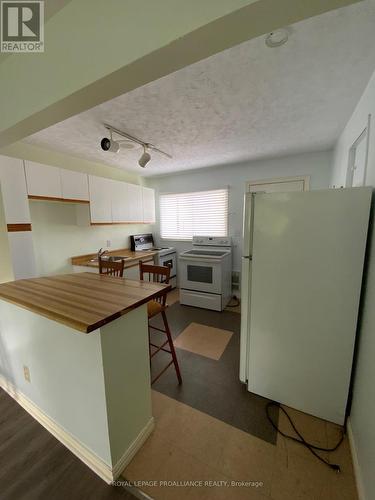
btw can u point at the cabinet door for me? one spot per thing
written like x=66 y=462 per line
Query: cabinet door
x=119 y=201
x=43 y=180
x=134 y=204
x=148 y=198
x=22 y=252
x=100 y=199
x=74 y=185
x=14 y=193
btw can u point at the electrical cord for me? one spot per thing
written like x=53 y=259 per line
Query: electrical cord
x=236 y=303
x=311 y=447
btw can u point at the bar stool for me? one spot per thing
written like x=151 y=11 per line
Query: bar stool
x=111 y=268
x=159 y=274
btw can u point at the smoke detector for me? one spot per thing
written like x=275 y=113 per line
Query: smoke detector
x=277 y=38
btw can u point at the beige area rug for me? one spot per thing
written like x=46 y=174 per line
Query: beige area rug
x=204 y=340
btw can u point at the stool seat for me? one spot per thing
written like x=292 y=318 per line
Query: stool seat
x=154 y=308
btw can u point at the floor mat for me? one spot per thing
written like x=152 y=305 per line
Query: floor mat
x=204 y=340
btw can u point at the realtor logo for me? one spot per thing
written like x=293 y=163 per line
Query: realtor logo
x=22 y=26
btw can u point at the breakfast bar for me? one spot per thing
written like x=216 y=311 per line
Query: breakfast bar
x=74 y=354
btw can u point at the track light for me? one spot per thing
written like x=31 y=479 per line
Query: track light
x=114 y=146
x=144 y=159
x=109 y=145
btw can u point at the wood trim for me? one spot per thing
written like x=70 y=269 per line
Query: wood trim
x=51 y=198
x=14 y=228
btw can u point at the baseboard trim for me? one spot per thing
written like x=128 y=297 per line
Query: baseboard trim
x=356 y=467
x=96 y=464
x=133 y=448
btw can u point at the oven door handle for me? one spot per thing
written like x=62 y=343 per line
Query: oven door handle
x=199 y=258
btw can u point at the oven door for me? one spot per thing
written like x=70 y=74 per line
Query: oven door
x=169 y=261
x=203 y=275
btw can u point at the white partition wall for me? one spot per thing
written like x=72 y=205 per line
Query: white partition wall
x=17 y=217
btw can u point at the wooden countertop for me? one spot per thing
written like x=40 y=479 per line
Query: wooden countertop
x=83 y=301
x=132 y=258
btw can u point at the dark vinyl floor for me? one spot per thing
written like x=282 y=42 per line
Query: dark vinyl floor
x=36 y=466
x=213 y=386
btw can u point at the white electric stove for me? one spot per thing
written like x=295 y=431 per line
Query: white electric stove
x=206 y=273
x=165 y=256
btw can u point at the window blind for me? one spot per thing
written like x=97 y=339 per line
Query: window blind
x=201 y=213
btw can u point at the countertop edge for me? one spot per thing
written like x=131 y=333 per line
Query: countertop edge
x=76 y=324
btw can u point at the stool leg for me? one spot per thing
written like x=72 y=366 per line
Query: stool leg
x=173 y=352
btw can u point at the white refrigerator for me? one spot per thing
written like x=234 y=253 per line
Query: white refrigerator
x=301 y=277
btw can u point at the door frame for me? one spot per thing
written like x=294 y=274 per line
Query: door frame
x=363 y=136
x=280 y=180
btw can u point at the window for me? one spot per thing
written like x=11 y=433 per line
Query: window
x=202 y=213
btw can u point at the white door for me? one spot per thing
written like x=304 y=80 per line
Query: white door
x=307 y=261
x=148 y=199
x=42 y=181
x=120 y=201
x=100 y=199
x=358 y=161
x=279 y=185
x=265 y=186
x=74 y=185
x=135 y=211
x=14 y=192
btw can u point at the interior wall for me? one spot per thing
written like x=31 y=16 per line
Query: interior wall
x=362 y=415
x=6 y=270
x=62 y=230
x=26 y=151
x=317 y=165
x=58 y=237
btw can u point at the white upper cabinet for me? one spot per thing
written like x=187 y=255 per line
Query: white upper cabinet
x=119 y=202
x=43 y=180
x=135 y=210
x=101 y=190
x=13 y=189
x=148 y=198
x=74 y=185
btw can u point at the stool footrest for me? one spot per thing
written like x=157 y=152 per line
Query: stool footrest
x=161 y=373
x=160 y=348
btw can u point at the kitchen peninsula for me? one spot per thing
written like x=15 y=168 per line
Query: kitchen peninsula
x=74 y=353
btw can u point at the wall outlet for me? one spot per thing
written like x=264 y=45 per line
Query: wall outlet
x=108 y=243
x=26 y=373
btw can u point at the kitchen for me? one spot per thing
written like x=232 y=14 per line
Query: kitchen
x=246 y=217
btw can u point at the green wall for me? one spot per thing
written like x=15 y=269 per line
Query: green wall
x=6 y=272
x=58 y=237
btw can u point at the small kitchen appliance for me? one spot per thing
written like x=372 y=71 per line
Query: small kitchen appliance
x=165 y=256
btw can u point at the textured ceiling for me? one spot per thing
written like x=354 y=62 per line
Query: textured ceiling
x=245 y=103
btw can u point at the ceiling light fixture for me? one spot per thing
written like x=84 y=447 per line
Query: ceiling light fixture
x=277 y=38
x=144 y=159
x=114 y=146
